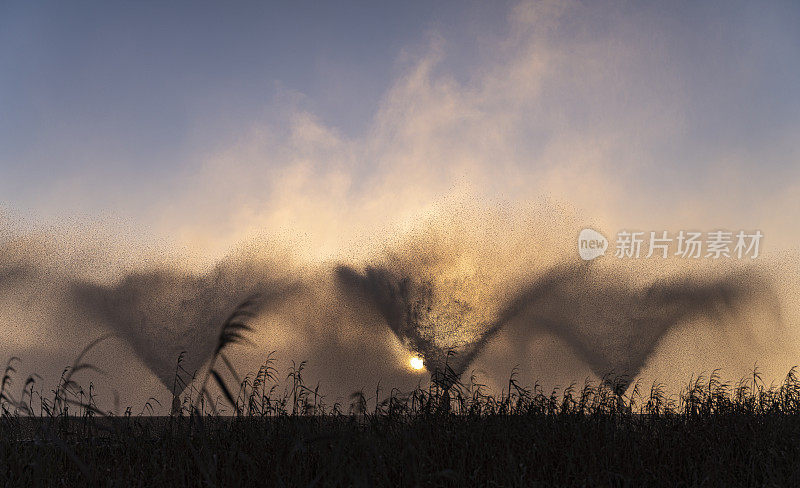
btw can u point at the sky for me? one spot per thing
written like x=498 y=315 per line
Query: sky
x=110 y=108
x=123 y=96
x=142 y=134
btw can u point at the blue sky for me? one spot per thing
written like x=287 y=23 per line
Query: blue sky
x=147 y=80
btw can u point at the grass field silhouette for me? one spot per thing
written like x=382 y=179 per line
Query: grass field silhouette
x=263 y=429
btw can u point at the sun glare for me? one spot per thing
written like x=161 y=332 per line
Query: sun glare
x=416 y=363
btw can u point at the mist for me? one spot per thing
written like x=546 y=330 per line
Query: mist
x=475 y=289
x=611 y=325
x=446 y=222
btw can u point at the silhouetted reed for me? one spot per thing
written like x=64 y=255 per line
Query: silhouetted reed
x=258 y=430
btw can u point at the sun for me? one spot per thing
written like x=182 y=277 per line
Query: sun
x=416 y=362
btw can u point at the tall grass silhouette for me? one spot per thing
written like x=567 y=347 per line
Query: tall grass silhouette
x=257 y=430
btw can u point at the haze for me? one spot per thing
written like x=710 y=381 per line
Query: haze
x=158 y=164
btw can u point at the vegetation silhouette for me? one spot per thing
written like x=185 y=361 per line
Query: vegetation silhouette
x=248 y=431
